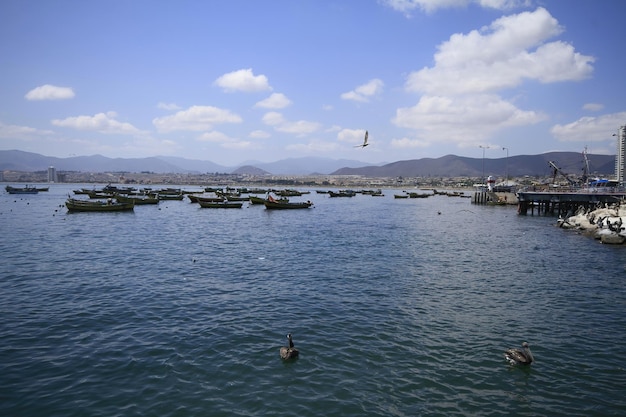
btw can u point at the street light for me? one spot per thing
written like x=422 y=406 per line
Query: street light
x=483 y=148
x=506 y=165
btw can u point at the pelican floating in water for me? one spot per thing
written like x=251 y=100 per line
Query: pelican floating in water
x=521 y=356
x=289 y=352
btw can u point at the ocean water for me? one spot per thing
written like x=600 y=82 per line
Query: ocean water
x=398 y=308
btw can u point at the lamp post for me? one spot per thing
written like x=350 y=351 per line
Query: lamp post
x=619 y=160
x=506 y=165
x=483 y=148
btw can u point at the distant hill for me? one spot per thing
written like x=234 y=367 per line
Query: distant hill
x=27 y=161
x=570 y=163
x=446 y=166
x=307 y=166
x=250 y=170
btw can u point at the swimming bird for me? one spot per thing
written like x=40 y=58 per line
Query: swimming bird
x=364 y=142
x=289 y=352
x=521 y=356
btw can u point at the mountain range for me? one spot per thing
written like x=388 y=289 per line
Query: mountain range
x=570 y=163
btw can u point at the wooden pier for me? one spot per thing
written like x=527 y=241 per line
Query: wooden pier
x=564 y=203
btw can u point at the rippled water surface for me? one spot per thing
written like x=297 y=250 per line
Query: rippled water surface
x=397 y=310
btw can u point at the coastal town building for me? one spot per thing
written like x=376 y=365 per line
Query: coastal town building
x=620 y=156
x=52 y=174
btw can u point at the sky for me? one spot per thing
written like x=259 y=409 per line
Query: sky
x=263 y=80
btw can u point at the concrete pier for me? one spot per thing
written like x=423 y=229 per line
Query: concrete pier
x=494 y=198
x=562 y=203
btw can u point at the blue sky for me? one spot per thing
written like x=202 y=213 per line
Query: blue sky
x=252 y=80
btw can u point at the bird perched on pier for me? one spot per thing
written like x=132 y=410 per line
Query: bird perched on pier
x=521 y=356
x=290 y=351
x=364 y=142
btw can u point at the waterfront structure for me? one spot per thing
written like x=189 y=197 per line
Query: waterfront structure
x=52 y=174
x=620 y=156
x=564 y=203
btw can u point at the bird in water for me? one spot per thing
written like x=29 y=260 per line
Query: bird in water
x=289 y=352
x=521 y=356
x=364 y=142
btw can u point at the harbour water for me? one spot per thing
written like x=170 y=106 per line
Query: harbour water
x=398 y=308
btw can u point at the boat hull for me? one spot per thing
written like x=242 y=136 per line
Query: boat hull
x=97 y=206
x=21 y=190
x=276 y=205
x=217 y=204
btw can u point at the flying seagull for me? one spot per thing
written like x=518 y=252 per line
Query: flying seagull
x=364 y=142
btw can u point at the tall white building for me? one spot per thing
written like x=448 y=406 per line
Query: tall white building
x=52 y=174
x=620 y=156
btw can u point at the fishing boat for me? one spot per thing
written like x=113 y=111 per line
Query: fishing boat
x=278 y=205
x=21 y=190
x=419 y=195
x=207 y=199
x=261 y=201
x=138 y=200
x=342 y=193
x=220 y=204
x=237 y=197
x=167 y=196
x=290 y=193
x=73 y=204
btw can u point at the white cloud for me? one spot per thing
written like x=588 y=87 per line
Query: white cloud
x=243 y=80
x=459 y=103
x=315 y=146
x=363 y=92
x=273 y=118
x=168 y=106
x=101 y=122
x=593 y=106
x=501 y=56
x=259 y=134
x=464 y=119
x=21 y=132
x=590 y=129
x=195 y=118
x=352 y=136
x=406 y=143
x=240 y=145
x=429 y=6
x=50 y=92
x=226 y=141
x=281 y=124
x=275 y=101
x=215 y=136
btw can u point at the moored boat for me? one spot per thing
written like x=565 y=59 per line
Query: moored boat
x=342 y=193
x=197 y=198
x=278 y=205
x=167 y=196
x=419 y=195
x=73 y=204
x=237 y=198
x=220 y=204
x=136 y=199
x=21 y=190
x=261 y=201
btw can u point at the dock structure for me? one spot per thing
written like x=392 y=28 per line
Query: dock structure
x=494 y=198
x=562 y=203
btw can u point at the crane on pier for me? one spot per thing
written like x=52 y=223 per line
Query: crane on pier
x=556 y=170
